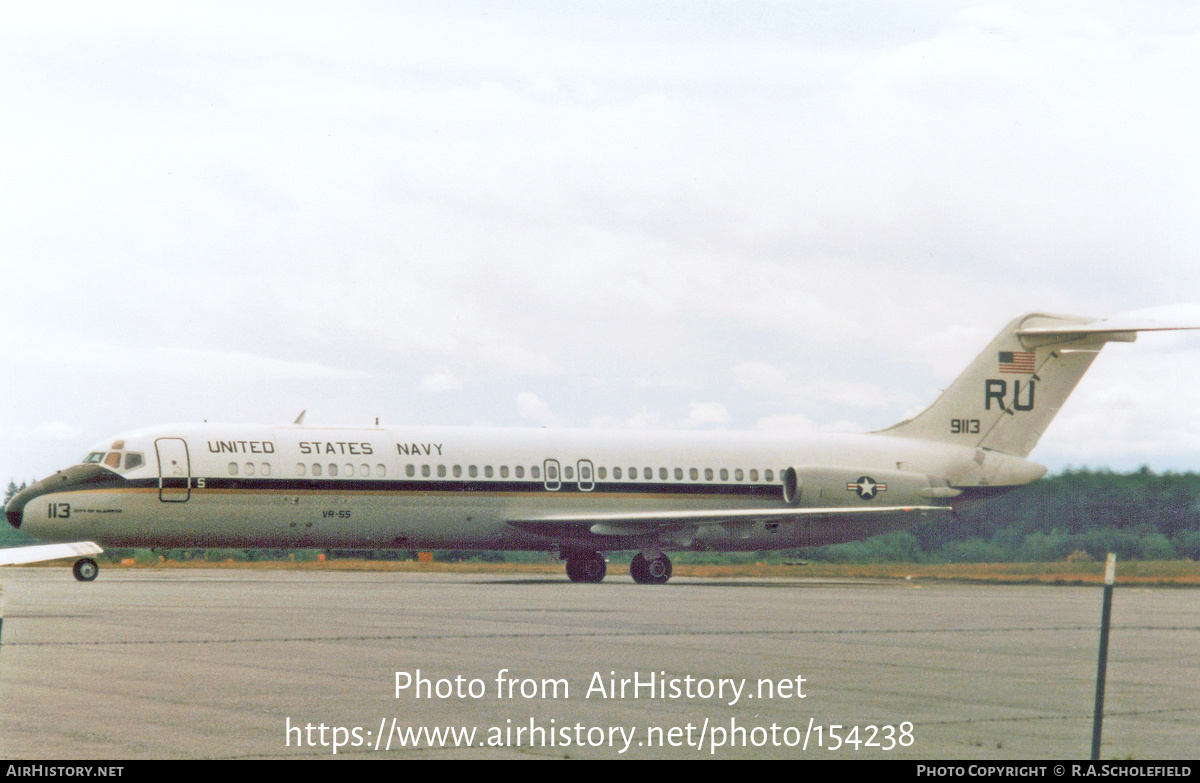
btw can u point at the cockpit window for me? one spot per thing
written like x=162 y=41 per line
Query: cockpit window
x=113 y=459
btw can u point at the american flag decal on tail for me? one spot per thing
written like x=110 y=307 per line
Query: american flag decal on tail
x=1017 y=362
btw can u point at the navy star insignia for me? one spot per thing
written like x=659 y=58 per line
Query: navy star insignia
x=866 y=487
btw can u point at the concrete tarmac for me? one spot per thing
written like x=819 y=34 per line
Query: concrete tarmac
x=252 y=664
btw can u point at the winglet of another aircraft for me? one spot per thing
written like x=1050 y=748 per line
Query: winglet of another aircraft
x=41 y=552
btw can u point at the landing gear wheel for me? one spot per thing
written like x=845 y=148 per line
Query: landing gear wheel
x=85 y=569
x=586 y=567
x=650 y=572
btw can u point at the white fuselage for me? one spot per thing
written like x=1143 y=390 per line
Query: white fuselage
x=467 y=488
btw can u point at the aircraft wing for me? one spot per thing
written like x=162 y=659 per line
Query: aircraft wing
x=40 y=552
x=642 y=523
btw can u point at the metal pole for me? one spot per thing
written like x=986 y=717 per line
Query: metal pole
x=1110 y=571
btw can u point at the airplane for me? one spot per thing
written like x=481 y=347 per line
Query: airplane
x=579 y=493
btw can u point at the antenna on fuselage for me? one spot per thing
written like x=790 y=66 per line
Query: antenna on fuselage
x=300 y=418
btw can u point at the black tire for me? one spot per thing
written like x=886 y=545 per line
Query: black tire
x=650 y=572
x=638 y=569
x=85 y=569
x=586 y=567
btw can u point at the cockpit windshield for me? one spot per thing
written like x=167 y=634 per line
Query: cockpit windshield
x=114 y=459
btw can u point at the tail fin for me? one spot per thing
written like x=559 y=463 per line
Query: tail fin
x=1007 y=397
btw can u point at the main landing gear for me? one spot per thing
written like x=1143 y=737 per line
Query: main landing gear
x=85 y=569
x=589 y=566
x=650 y=571
x=586 y=566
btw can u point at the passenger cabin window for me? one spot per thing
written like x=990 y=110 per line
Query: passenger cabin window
x=616 y=473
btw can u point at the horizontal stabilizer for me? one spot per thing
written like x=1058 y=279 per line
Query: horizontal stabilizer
x=42 y=552
x=1121 y=328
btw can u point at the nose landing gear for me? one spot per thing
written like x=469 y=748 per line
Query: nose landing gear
x=85 y=569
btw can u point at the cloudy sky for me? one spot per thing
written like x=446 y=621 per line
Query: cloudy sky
x=737 y=215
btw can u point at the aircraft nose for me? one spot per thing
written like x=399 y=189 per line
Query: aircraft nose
x=13 y=511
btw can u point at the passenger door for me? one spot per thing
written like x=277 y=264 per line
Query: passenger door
x=174 y=470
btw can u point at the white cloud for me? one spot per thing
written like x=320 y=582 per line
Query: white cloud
x=210 y=365
x=251 y=209
x=765 y=377
x=642 y=420
x=56 y=430
x=792 y=422
x=849 y=393
x=795 y=422
x=707 y=414
x=440 y=381
x=762 y=376
x=532 y=408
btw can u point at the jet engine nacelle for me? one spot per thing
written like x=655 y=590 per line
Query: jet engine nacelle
x=822 y=485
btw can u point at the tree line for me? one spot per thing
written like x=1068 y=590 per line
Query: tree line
x=1080 y=513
